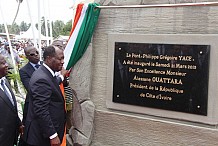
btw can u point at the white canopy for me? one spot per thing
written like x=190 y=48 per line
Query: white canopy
x=29 y=34
x=62 y=37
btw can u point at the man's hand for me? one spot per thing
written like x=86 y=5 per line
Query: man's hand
x=55 y=141
x=21 y=130
x=64 y=72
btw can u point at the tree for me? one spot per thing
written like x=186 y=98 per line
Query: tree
x=2 y=28
x=58 y=26
x=24 y=26
x=14 y=28
x=67 y=28
x=43 y=31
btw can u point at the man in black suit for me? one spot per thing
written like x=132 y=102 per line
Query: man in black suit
x=46 y=117
x=26 y=72
x=10 y=124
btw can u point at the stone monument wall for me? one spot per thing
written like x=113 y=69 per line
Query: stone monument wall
x=89 y=77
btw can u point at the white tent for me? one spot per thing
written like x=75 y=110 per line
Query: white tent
x=29 y=34
x=62 y=37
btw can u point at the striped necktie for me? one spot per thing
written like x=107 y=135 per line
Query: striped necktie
x=6 y=90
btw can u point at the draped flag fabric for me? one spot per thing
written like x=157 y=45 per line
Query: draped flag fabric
x=64 y=141
x=85 y=21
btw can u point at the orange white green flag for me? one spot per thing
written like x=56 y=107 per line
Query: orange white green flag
x=85 y=20
x=81 y=33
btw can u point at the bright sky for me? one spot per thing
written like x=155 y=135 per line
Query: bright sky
x=59 y=10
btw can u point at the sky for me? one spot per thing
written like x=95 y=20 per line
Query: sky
x=59 y=10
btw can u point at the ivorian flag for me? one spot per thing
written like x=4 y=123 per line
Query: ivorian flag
x=85 y=21
x=84 y=24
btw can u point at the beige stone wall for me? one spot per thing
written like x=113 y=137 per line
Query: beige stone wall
x=119 y=128
x=112 y=129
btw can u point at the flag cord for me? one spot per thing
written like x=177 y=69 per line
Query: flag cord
x=161 y=5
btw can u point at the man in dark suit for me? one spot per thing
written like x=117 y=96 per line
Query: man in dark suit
x=10 y=124
x=46 y=117
x=26 y=72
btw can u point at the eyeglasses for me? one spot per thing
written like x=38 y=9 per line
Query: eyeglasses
x=34 y=54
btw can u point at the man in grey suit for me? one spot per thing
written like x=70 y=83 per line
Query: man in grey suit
x=46 y=117
x=10 y=124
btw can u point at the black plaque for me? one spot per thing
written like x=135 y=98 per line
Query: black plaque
x=164 y=76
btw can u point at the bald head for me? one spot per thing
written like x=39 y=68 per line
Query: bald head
x=32 y=54
x=58 y=43
x=54 y=57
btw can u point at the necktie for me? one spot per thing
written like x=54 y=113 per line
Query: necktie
x=6 y=91
x=55 y=78
x=37 y=66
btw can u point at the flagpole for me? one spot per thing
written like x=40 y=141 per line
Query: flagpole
x=39 y=30
x=9 y=40
x=50 y=22
x=32 y=25
x=46 y=24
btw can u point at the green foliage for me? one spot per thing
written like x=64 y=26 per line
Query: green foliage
x=14 y=28
x=2 y=28
x=67 y=28
x=58 y=27
x=23 y=62
x=43 y=31
x=14 y=76
x=24 y=26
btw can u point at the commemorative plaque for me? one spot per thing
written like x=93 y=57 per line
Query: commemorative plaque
x=163 y=76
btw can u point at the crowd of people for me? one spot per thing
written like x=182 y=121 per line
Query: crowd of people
x=44 y=114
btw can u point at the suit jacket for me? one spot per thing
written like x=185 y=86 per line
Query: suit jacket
x=46 y=113
x=25 y=75
x=10 y=122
